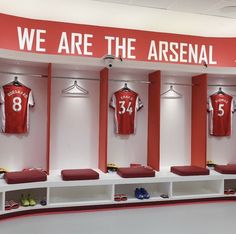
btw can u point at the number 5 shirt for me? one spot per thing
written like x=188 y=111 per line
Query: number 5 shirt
x=221 y=108
x=126 y=104
x=15 y=101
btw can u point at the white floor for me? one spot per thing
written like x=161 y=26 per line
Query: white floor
x=209 y=218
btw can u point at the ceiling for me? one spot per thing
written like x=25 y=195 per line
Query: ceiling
x=221 y=8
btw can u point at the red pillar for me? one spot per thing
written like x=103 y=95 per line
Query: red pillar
x=103 y=118
x=153 y=154
x=199 y=120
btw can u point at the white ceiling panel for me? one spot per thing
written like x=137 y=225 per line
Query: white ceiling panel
x=221 y=8
x=193 y=6
x=160 y=4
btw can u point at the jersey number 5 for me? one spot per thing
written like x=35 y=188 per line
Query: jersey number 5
x=220 y=110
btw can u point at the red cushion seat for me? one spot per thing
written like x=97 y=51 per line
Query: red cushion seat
x=189 y=170
x=79 y=174
x=17 y=177
x=226 y=169
x=135 y=172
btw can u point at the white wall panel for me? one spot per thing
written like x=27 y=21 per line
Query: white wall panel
x=124 y=150
x=222 y=150
x=74 y=123
x=175 y=142
x=19 y=151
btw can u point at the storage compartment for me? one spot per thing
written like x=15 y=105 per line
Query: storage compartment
x=197 y=188
x=1 y=202
x=154 y=189
x=37 y=194
x=230 y=187
x=80 y=194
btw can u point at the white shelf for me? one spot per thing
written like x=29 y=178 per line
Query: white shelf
x=67 y=203
x=22 y=208
x=154 y=189
x=77 y=194
x=192 y=188
x=59 y=193
x=1 y=202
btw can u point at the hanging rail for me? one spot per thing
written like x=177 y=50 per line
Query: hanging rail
x=24 y=74
x=221 y=85
x=71 y=78
x=131 y=81
x=75 y=78
x=180 y=84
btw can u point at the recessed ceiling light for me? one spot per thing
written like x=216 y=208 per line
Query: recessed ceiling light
x=228 y=9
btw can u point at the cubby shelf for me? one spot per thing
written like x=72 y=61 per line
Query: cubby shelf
x=62 y=194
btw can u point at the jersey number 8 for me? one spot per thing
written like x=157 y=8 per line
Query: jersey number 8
x=17 y=104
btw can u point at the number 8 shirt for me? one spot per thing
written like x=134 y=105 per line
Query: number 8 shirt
x=126 y=104
x=15 y=101
x=221 y=107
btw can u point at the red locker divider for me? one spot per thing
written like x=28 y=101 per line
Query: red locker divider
x=153 y=154
x=103 y=118
x=199 y=120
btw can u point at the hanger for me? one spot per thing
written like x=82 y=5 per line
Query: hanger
x=125 y=88
x=171 y=94
x=16 y=82
x=220 y=91
x=75 y=90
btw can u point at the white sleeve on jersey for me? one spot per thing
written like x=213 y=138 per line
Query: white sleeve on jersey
x=31 y=99
x=2 y=97
x=113 y=101
x=139 y=103
x=209 y=105
x=233 y=105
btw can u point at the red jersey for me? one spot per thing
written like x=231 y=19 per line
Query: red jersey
x=221 y=107
x=126 y=104
x=15 y=100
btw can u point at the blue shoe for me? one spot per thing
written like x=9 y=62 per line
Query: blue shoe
x=146 y=195
x=138 y=194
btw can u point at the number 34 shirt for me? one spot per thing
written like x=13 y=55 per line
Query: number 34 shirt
x=126 y=104
x=221 y=108
x=15 y=101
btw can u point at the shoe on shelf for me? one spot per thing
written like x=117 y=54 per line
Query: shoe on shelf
x=123 y=197
x=117 y=197
x=14 y=204
x=120 y=197
x=7 y=205
x=229 y=191
x=43 y=202
x=164 y=195
x=31 y=200
x=146 y=195
x=138 y=194
x=24 y=201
